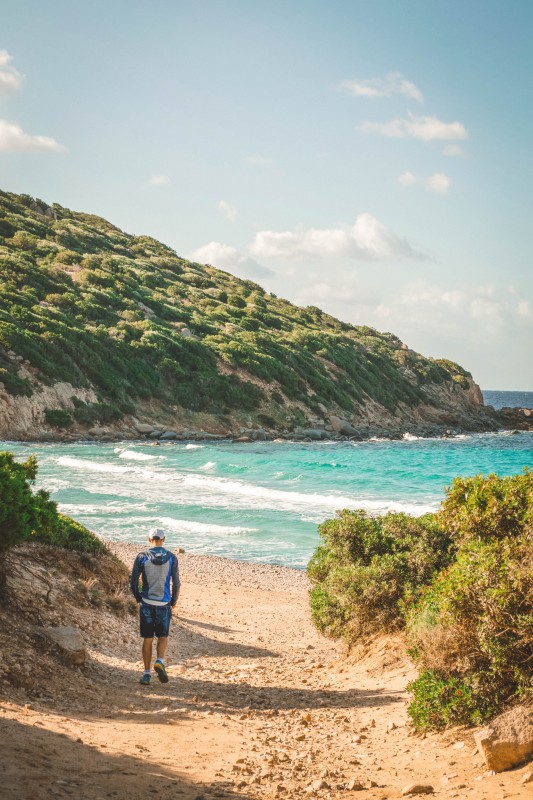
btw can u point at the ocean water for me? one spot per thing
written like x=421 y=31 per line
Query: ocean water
x=500 y=399
x=258 y=502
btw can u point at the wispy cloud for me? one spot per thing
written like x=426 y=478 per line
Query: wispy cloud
x=227 y=257
x=453 y=150
x=366 y=240
x=227 y=210
x=393 y=83
x=439 y=183
x=258 y=161
x=159 y=180
x=428 y=129
x=14 y=140
x=10 y=78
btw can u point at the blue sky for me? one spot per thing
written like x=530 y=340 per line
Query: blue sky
x=369 y=157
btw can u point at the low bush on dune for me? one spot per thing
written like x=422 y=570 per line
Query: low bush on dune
x=460 y=581
x=31 y=516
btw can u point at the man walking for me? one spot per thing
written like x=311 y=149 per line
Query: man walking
x=160 y=585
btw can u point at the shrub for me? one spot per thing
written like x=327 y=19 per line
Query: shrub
x=71 y=535
x=471 y=632
x=57 y=417
x=486 y=508
x=21 y=511
x=369 y=568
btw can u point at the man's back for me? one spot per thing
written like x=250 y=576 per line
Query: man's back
x=158 y=570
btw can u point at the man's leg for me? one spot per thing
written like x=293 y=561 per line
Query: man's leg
x=147 y=652
x=162 y=644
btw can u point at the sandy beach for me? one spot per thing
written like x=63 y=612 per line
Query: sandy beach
x=258 y=705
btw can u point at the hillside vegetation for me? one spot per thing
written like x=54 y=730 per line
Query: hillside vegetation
x=459 y=581
x=84 y=303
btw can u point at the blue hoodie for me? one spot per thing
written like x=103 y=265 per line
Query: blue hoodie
x=158 y=569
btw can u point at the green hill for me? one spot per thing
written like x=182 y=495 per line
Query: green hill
x=83 y=303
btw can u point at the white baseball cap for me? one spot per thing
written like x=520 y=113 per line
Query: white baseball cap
x=156 y=533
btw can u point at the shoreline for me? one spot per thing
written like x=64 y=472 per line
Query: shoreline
x=198 y=569
x=121 y=437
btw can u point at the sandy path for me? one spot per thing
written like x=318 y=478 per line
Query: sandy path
x=258 y=705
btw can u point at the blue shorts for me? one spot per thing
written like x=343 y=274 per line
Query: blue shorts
x=154 y=620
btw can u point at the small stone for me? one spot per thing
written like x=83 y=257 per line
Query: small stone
x=417 y=788
x=391 y=726
x=353 y=785
x=527 y=777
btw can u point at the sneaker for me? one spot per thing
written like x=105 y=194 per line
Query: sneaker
x=161 y=671
x=145 y=680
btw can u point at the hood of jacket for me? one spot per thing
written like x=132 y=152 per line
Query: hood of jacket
x=158 y=555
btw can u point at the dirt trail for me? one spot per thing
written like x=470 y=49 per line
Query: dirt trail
x=258 y=705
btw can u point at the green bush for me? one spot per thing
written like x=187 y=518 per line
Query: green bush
x=369 y=568
x=57 y=417
x=473 y=627
x=71 y=535
x=21 y=511
x=27 y=515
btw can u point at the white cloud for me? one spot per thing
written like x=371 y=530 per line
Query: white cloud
x=229 y=211
x=524 y=308
x=10 y=78
x=224 y=256
x=453 y=150
x=407 y=179
x=14 y=140
x=159 y=180
x=427 y=129
x=393 y=83
x=258 y=161
x=439 y=183
x=367 y=240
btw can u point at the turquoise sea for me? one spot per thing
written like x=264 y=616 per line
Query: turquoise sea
x=258 y=502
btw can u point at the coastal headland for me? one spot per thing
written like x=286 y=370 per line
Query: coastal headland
x=258 y=705
x=107 y=335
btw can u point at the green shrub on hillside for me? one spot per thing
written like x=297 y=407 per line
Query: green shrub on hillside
x=21 y=511
x=369 y=568
x=27 y=515
x=57 y=417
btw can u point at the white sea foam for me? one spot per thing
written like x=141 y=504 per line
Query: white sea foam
x=189 y=526
x=194 y=446
x=135 y=455
x=209 y=466
x=92 y=466
x=210 y=491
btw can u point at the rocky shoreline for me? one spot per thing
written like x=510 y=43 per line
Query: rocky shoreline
x=488 y=420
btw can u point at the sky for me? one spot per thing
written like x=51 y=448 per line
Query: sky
x=369 y=157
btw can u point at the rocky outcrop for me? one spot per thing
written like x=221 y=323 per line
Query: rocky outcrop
x=67 y=642
x=507 y=740
x=22 y=416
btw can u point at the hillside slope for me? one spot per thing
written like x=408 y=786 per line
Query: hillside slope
x=97 y=325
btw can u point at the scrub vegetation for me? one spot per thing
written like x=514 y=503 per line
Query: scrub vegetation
x=460 y=582
x=85 y=303
x=26 y=515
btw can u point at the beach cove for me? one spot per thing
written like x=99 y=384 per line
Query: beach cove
x=258 y=501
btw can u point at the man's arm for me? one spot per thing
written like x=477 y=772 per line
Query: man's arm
x=134 y=579
x=175 y=575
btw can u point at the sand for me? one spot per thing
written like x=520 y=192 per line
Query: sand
x=258 y=706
